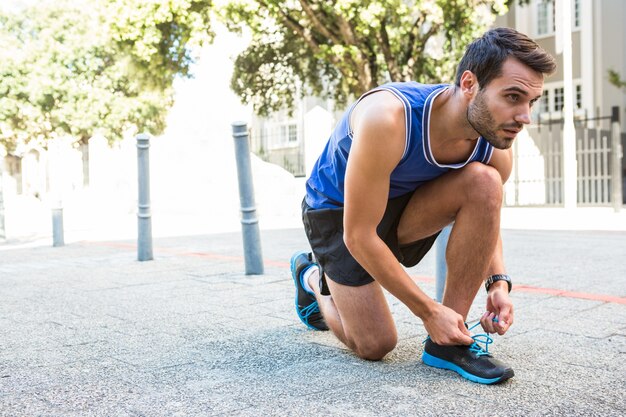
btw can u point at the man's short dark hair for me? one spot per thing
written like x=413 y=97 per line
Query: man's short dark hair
x=485 y=55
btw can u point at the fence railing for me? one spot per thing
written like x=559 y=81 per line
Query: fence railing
x=537 y=177
x=593 y=154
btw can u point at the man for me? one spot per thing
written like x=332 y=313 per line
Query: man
x=406 y=160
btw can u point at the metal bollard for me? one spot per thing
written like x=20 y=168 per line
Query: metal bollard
x=57 y=226
x=440 y=262
x=57 y=179
x=249 y=223
x=144 y=217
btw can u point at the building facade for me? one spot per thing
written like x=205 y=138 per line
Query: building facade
x=286 y=139
x=598 y=46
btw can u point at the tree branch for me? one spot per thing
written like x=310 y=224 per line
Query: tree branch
x=392 y=66
x=292 y=24
x=418 y=49
x=362 y=63
x=317 y=24
x=413 y=32
x=346 y=31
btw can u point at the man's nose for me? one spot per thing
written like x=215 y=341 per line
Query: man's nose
x=523 y=116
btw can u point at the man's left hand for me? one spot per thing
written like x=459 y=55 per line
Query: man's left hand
x=500 y=307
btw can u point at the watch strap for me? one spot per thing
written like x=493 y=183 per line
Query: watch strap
x=498 y=277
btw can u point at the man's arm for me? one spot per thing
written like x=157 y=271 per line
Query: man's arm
x=502 y=160
x=377 y=147
x=498 y=301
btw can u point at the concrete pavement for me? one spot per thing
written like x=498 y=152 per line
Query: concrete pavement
x=85 y=329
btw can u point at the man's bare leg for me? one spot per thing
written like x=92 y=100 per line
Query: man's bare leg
x=358 y=316
x=471 y=197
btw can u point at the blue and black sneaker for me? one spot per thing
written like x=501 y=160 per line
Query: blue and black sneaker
x=471 y=362
x=306 y=305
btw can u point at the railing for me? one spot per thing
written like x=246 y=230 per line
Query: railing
x=537 y=177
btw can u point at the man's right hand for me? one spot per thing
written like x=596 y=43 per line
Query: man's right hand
x=446 y=327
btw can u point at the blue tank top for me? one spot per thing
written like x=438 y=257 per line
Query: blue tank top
x=325 y=186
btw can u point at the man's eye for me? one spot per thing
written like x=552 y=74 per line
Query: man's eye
x=513 y=97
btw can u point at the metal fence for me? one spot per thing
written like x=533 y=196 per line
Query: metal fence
x=593 y=156
x=537 y=177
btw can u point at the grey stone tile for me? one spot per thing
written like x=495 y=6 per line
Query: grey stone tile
x=88 y=330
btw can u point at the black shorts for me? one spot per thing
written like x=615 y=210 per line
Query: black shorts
x=324 y=229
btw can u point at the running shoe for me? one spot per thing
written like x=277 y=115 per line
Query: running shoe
x=306 y=305
x=471 y=362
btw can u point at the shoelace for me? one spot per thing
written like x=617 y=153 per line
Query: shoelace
x=480 y=338
x=307 y=311
x=312 y=308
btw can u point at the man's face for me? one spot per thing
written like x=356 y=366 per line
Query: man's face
x=499 y=111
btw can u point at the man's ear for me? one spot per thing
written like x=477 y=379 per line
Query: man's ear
x=469 y=84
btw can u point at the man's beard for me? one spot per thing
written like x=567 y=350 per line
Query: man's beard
x=481 y=120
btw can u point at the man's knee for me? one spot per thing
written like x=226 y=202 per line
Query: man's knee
x=483 y=184
x=376 y=349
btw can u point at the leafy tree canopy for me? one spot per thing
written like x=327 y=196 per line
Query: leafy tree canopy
x=342 y=48
x=83 y=67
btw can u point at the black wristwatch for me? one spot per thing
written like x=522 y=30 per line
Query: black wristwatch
x=498 y=277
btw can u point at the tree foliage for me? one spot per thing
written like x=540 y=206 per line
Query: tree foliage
x=616 y=80
x=342 y=48
x=83 y=67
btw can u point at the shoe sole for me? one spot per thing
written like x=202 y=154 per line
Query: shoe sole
x=433 y=361
x=295 y=281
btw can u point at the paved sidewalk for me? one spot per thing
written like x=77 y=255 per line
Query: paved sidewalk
x=85 y=329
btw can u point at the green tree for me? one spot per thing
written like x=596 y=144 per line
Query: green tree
x=616 y=80
x=83 y=67
x=342 y=48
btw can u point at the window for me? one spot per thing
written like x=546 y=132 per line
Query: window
x=552 y=6
x=553 y=99
x=545 y=22
x=293 y=133
x=558 y=99
x=546 y=16
x=576 y=14
x=286 y=135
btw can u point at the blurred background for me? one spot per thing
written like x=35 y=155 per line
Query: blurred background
x=79 y=79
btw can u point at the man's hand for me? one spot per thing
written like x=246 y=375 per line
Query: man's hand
x=500 y=306
x=446 y=327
